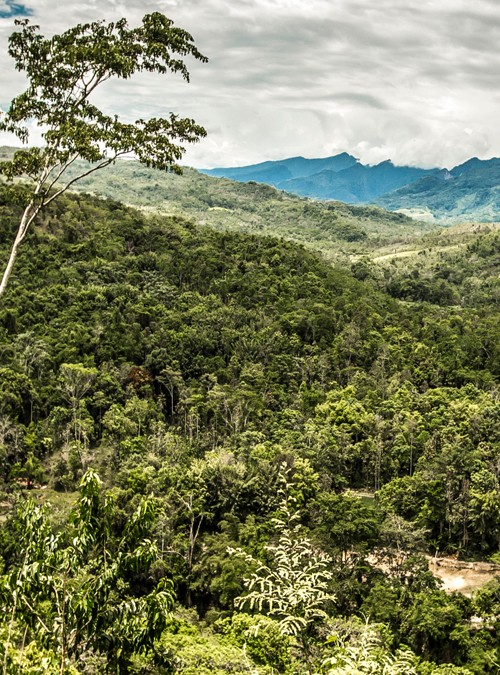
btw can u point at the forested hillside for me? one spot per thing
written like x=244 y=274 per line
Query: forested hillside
x=222 y=407
x=250 y=207
x=406 y=258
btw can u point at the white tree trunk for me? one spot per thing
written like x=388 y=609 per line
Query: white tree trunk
x=21 y=233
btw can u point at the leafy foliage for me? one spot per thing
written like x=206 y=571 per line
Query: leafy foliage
x=72 y=590
x=63 y=73
x=294 y=587
x=192 y=364
x=368 y=656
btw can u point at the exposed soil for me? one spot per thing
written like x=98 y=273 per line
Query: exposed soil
x=464 y=577
x=456 y=575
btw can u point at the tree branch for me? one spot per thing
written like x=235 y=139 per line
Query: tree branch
x=102 y=165
x=62 y=170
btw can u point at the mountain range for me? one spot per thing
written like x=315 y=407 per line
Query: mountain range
x=470 y=191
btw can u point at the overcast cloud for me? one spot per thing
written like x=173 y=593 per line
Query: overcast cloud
x=414 y=81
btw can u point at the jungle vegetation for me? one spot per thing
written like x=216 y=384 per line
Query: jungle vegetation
x=221 y=453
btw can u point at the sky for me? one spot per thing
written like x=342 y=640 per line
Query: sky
x=415 y=81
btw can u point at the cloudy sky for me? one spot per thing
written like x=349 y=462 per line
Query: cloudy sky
x=417 y=81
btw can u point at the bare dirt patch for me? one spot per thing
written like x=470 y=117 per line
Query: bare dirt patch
x=464 y=577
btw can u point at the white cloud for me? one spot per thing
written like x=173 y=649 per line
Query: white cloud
x=413 y=81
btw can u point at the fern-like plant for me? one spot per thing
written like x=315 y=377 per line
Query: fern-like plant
x=367 y=656
x=294 y=587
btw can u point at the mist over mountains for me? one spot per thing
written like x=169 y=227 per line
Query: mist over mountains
x=468 y=191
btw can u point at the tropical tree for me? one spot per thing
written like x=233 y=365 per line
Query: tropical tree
x=75 y=591
x=63 y=73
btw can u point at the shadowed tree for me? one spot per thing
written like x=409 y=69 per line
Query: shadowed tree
x=63 y=73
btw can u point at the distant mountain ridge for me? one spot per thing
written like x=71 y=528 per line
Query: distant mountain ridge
x=357 y=183
x=469 y=191
x=341 y=177
x=276 y=172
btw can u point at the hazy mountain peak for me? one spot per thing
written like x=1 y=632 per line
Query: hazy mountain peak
x=475 y=163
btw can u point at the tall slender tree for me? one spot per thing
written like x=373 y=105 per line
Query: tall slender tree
x=63 y=73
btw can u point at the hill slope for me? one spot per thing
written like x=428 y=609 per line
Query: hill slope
x=255 y=208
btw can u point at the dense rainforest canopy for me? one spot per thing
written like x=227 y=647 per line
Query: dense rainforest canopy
x=198 y=415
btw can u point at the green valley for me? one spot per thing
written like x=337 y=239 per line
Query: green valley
x=234 y=393
x=246 y=207
x=414 y=260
